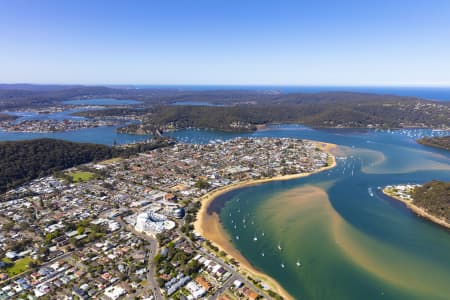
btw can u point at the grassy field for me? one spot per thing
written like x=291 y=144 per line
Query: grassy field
x=81 y=176
x=20 y=265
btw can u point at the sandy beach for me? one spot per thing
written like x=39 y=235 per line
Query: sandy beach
x=420 y=211
x=209 y=226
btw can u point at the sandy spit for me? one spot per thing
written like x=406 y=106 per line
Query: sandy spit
x=209 y=226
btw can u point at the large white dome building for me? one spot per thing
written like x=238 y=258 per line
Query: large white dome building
x=152 y=223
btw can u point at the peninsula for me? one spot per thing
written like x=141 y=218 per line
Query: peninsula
x=126 y=225
x=238 y=110
x=430 y=200
x=437 y=142
x=43 y=126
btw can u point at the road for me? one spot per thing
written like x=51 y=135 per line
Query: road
x=152 y=251
x=233 y=272
x=223 y=288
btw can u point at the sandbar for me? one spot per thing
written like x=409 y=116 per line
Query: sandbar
x=209 y=226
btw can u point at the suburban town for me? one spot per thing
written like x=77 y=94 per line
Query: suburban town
x=43 y=126
x=225 y=150
x=122 y=228
x=401 y=191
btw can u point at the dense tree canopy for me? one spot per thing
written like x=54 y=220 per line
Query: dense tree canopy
x=248 y=108
x=338 y=113
x=25 y=160
x=438 y=142
x=434 y=196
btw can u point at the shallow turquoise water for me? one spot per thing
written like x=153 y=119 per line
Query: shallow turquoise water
x=350 y=245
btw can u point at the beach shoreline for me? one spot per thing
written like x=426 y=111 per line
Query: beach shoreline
x=419 y=211
x=209 y=226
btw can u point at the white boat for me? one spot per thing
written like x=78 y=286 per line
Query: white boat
x=279 y=247
x=262 y=254
x=282 y=265
x=298 y=263
x=255 y=238
x=370 y=192
x=237 y=237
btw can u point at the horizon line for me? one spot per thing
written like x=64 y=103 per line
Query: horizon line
x=402 y=85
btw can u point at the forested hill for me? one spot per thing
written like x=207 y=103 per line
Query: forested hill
x=434 y=196
x=240 y=110
x=342 y=114
x=22 y=161
x=437 y=142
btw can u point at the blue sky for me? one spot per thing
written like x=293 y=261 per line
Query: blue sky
x=226 y=42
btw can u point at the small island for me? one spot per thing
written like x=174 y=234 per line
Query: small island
x=430 y=200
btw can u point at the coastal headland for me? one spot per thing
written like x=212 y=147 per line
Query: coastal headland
x=421 y=212
x=209 y=226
